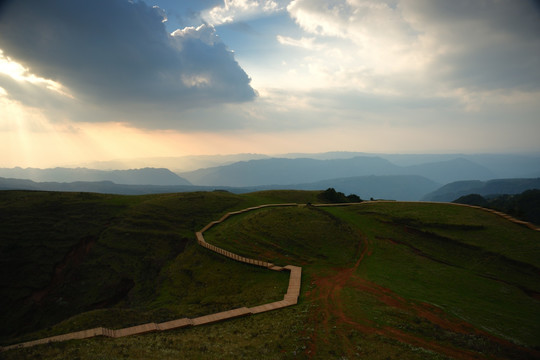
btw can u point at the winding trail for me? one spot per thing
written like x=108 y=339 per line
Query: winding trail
x=290 y=298
x=328 y=292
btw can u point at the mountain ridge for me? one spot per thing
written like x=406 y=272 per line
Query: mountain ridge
x=455 y=190
x=281 y=171
x=396 y=187
x=502 y=165
x=144 y=176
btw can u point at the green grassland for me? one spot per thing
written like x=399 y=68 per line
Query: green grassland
x=381 y=280
x=471 y=264
x=70 y=261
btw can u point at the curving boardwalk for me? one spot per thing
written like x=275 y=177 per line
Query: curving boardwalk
x=506 y=216
x=290 y=298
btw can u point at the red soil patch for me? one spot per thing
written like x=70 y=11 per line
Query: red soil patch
x=327 y=294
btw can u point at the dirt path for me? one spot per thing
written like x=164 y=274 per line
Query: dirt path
x=327 y=293
x=331 y=317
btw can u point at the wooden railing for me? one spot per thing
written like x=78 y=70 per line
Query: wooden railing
x=290 y=298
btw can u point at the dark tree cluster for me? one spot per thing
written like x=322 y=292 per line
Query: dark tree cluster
x=330 y=195
x=525 y=206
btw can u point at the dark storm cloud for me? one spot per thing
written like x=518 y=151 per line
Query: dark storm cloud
x=490 y=44
x=117 y=52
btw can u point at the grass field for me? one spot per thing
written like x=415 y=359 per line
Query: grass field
x=71 y=261
x=380 y=280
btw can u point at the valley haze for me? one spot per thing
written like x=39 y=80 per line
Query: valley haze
x=383 y=176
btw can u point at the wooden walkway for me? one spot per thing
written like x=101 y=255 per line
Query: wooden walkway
x=290 y=298
x=506 y=216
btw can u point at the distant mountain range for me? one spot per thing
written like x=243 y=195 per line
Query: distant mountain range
x=146 y=176
x=104 y=187
x=398 y=177
x=380 y=187
x=174 y=163
x=455 y=190
x=394 y=187
x=302 y=170
x=500 y=165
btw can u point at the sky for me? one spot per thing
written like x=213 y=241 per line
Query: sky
x=95 y=80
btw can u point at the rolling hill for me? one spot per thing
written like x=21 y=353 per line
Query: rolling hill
x=380 y=279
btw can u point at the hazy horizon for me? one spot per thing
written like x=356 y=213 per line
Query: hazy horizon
x=187 y=163
x=90 y=81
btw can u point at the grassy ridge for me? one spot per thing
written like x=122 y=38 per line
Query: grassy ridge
x=462 y=265
x=302 y=235
x=86 y=260
x=381 y=280
x=445 y=278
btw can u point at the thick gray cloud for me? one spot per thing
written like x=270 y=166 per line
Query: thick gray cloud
x=117 y=52
x=482 y=45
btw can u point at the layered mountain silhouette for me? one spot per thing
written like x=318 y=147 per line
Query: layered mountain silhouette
x=104 y=187
x=399 y=187
x=280 y=171
x=395 y=187
x=455 y=190
x=398 y=177
x=146 y=176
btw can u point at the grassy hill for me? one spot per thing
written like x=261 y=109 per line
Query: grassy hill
x=524 y=206
x=92 y=260
x=380 y=280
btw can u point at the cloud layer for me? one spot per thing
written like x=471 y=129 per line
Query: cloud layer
x=117 y=53
x=394 y=45
x=434 y=73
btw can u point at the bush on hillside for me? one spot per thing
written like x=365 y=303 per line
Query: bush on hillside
x=525 y=206
x=330 y=195
x=471 y=199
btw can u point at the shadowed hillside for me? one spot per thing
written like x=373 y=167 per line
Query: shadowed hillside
x=110 y=260
x=380 y=279
x=524 y=206
x=452 y=191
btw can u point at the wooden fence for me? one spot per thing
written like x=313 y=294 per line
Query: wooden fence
x=290 y=298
